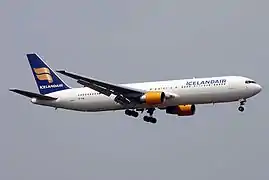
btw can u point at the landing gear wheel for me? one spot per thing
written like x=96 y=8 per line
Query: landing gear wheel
x=146 y=118
x=134 y=114
x=153 y=120
x=241 y=109
x=150 y=119
x=128 y=112
x=131 y=113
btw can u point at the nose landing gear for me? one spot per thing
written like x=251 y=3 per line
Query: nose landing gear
x=242 y=103
x=241 y=108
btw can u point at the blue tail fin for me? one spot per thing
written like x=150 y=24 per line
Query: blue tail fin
x=46 y=79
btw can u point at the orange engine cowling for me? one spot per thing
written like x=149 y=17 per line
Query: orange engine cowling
x=181 y=110
x=153 y=97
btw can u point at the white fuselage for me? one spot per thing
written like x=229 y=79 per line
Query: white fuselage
x=186 y=91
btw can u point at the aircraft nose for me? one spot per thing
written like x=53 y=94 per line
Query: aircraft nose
x=259 y=88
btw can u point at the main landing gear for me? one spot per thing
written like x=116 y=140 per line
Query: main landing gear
x=131 y=113
x=242 y=103
x=150 y=118
x=146 y=118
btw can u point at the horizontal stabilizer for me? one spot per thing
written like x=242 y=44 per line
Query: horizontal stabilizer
x=32 y=95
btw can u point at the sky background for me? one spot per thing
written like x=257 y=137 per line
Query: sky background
x=131 y=41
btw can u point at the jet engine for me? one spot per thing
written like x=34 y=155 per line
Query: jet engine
x=181 y=110
x=153 y=97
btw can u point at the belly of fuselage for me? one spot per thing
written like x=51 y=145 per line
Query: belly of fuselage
x=104 y=103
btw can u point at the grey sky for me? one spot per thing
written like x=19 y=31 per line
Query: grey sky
x=132 y=41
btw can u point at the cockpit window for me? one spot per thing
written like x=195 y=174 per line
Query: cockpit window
x=249 y=82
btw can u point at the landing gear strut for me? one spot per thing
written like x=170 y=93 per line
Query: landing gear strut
x=242 y=103
x=150 y=111
x=150 y=118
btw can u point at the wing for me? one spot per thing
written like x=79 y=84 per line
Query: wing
x=124 y=95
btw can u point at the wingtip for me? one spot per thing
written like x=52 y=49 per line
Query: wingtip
x=12 y=89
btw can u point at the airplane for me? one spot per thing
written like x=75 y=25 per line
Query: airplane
x=176 y=97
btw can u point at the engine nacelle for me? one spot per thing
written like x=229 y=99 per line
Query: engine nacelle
x=181 y=110
x=153 y=97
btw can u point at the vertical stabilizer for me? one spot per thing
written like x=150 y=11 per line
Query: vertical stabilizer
x=46 y=79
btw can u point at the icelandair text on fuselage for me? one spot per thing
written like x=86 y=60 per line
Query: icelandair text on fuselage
x=204 y=82
x=51 y=86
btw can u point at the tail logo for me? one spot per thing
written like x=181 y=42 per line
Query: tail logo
x=43 y=74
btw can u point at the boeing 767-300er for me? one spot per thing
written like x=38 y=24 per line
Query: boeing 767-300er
x=178 y=97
